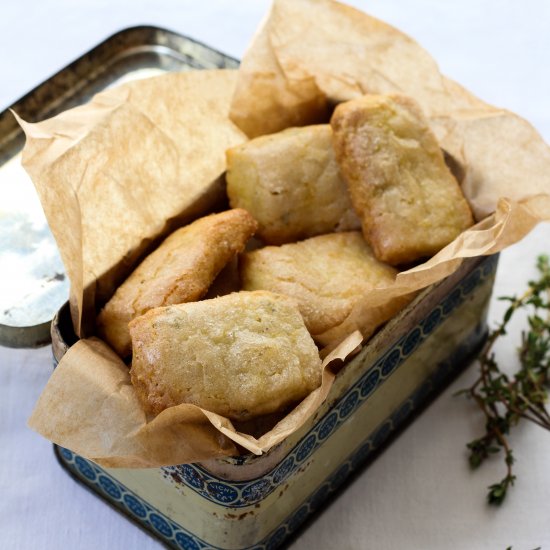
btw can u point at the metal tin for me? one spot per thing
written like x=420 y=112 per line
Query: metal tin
x=259 y=502
x=34 y=284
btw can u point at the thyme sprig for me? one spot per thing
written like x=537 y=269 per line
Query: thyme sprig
x=506 y=399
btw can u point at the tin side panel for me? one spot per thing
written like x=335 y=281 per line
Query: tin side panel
x=195 y=505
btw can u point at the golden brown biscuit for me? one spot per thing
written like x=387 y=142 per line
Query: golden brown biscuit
x=180 y=270
x=291 y=184
x=241 y=355
x=410 y=204
x=326 y=275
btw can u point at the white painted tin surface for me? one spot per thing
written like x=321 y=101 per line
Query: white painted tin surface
x=256 y=502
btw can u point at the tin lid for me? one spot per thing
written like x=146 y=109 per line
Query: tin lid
x=33 y=284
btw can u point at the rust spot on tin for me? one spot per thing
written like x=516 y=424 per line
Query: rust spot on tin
x=284 y=489
x=238 y=517
x=176 y=477
x=56 y=277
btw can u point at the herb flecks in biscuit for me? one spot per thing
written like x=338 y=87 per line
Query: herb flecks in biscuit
x=326 y=275
x=242 y=355
x=290 y=182
x=409 y=203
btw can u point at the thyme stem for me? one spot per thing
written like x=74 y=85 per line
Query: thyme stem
x=505 y=400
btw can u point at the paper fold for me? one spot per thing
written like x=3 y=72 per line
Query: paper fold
x=347 y=53
x=89 y=406
x=123 y=170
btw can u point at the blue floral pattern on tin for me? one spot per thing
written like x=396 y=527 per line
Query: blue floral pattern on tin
x=161 y=525
x=304 y=450
x=349 y=404
x=192 y=477
x=432 y=321
x=328 y=426
x=284 y=470
x=452 y=301
x=109 y=487
x=298 y=518
x=370 y=383
x=84 y=468
x=391 y=362
x=186 y=542
x=412 y=341
x=135 y=506
x=257 y=491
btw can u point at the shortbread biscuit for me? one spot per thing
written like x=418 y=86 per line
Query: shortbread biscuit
x=290 y=182
x=241 y=355
x=180 y=270
x=326 y=275
x=409 y=203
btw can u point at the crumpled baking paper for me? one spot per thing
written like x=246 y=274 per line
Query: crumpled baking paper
x=295 y=71
x=120 y=172
x=116 y=175
x=89 y=406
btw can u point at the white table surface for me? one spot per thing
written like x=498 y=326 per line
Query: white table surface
x=420 y=492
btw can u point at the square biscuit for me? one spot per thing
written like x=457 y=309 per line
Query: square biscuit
x=326 y=275
x=290 y=182
x=410 y=204
x=241 y=355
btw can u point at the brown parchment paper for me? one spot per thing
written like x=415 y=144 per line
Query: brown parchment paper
x=112 y=174
x=294 y=69
x=319 y=52
x=89 y=406
x=117 y=173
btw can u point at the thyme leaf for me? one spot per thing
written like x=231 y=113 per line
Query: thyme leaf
x=505 y=400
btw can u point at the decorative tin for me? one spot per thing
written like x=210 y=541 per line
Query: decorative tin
x=249 y=501
x=258 y=502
